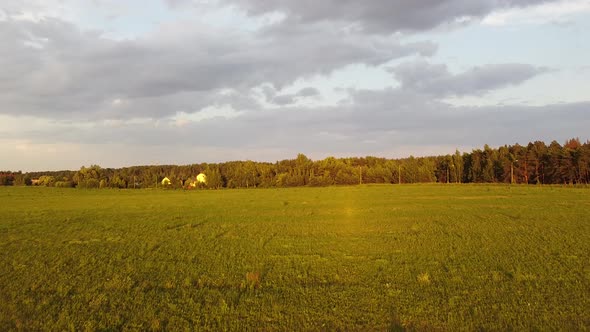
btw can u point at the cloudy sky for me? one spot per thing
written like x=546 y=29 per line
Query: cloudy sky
x=135 y=82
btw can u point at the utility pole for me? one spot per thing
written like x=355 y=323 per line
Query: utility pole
x=360 y=175
x=448 y=180
x=399 y=174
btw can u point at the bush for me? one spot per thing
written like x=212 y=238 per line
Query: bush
x=46 y=180
x=320 y=181
x=64 y=184
x=89 y=184
x=6 y=179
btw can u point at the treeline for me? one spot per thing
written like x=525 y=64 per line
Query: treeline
x=536 y=163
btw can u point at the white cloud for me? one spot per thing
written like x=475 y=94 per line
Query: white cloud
x=553 y=12
x=182 y=119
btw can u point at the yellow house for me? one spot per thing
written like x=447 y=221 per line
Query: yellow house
x=166 y=182
x=201 y=178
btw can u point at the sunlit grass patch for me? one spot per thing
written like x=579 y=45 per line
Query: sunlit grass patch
x=424 y=278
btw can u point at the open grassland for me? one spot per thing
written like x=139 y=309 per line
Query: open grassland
x=424 y=257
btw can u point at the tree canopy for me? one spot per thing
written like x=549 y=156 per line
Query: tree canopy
x=535 y=163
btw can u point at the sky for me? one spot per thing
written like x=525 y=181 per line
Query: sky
x=142 y=82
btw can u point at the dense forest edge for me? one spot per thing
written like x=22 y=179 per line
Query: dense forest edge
x=535 y=163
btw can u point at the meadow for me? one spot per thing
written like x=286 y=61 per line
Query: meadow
x=377 y=257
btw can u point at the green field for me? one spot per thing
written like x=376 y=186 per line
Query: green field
x=423 y=257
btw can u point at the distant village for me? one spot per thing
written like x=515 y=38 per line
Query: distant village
x=200 y=179
x=65 y=181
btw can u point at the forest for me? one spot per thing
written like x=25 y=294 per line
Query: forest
x=535 y=163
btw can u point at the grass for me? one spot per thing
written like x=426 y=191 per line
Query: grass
x=416 y=257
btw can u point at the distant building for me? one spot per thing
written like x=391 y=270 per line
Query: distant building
x=194 y=182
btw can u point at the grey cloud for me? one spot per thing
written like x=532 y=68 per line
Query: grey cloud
x=376 y=121
x=54 y=69
x=436 y=79
x=268 y=91
x=18 y=7
x=177 y=3
x=308 y=92
x=283 y=99
x=286 y=99
x=382 y=16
